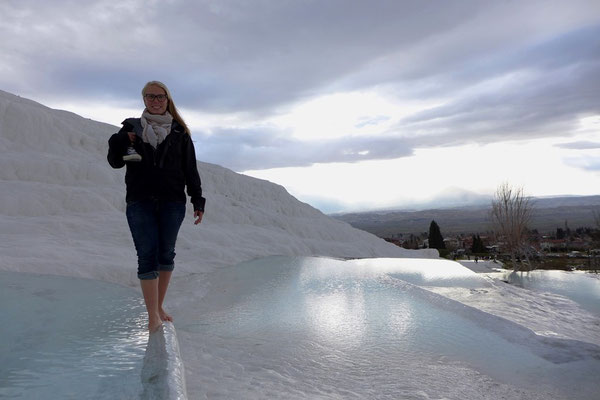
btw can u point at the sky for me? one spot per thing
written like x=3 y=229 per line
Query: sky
x=351 y=105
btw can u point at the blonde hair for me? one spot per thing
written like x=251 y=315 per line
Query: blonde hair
x=170 y=106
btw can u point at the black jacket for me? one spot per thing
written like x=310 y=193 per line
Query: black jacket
x=164 y=172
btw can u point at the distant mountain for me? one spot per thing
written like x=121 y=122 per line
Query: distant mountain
x=549 y=214
x=453 y=197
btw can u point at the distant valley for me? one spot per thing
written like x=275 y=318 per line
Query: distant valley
x=549 y=214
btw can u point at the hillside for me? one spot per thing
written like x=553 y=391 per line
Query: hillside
x=549 y=213
x=60 y=202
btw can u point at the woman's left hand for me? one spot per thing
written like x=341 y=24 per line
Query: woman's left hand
x=198 y=215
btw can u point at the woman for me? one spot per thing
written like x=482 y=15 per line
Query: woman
x=159 y=153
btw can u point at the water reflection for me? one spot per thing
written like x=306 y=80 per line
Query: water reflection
x=336 y=315
x=344 y=302
x=67 y=338
x=423 y=272
x=310 y=327
x=163 y=376
x=580 y=287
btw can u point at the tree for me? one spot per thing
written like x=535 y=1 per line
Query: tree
x=436 y=240
x=477 y=246
x=596 y=214
x=511 y=213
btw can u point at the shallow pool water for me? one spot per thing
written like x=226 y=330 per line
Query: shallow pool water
x=581 y=287
x=320 y=328
x=69 y=338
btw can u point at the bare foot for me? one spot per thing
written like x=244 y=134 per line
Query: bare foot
x=154 y=324
x=154 y=328
x=164 y=316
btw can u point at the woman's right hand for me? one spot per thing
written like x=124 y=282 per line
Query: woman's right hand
x=198 y=215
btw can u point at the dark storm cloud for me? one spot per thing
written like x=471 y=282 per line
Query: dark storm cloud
x=505 y=70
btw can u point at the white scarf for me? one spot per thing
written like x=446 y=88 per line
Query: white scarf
x=156 y=127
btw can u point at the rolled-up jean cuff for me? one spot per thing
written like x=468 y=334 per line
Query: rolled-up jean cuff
x=166 y=267
x=148 y=275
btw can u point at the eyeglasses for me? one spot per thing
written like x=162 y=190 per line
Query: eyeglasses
x=159 y=97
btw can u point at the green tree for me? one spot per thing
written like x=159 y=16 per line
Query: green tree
x=477 y=246
x=436 y=240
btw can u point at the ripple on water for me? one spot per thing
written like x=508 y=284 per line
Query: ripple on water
x=70 y=338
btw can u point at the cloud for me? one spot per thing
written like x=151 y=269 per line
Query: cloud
x=367 y=121
x=229 y=56
x=580 y=145
x=265 y=148
x=521 y=103
x=531 y=97
x=498 y=71
x=587 y=163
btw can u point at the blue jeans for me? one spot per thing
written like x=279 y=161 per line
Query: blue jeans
x=154 y=226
